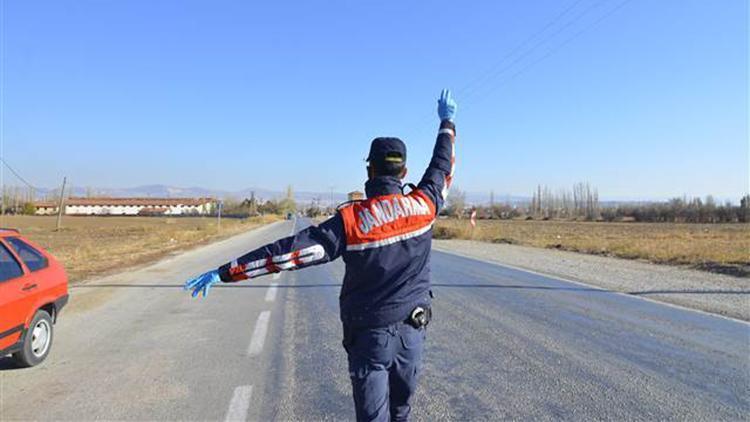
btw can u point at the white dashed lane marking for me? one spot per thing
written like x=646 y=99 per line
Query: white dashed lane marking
x=259 y=335
x=239 y=404
x=271 y=292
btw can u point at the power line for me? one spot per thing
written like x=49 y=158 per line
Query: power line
x=15 y=173
x=533 y=48
x=471 y=88
x=559 y=46
x=485 y=79
x=518 y=47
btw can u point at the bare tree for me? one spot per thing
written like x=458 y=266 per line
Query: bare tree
x=581 y=202
x=288 y=205
x=456 y=202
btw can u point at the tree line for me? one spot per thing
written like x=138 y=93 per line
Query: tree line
x=582 y=203
x=253 y=206
x=682 y=210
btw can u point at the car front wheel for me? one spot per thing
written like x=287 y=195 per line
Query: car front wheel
x=37 y=342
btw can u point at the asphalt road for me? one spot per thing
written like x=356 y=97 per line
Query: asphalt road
x=505 y=344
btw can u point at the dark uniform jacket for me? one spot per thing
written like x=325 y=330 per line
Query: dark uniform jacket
x=385 y=242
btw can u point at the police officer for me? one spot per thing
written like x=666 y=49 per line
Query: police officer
x=385 y=242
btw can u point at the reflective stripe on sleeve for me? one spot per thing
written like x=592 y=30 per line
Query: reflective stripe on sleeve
x=285 y=262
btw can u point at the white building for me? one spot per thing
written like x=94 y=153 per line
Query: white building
x=130 y=206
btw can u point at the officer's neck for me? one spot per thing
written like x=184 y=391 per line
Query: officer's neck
x=382 y=185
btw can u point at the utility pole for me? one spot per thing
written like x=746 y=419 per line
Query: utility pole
x=492 y=204
x=219 y=206
x=61 y=205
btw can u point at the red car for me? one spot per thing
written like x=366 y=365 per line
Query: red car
x=33 y=290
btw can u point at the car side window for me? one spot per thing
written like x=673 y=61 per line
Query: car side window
x=33 y=259
x=9 y=267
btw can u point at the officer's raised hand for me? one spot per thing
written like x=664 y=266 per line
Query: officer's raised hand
x=446 y=106
x=202 y=283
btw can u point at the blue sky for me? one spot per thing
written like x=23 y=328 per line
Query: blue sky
x=648 y=101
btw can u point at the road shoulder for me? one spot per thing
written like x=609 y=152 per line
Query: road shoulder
x=714 y=293
x=94 y=292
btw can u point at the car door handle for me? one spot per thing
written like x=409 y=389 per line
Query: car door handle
x=27 y=287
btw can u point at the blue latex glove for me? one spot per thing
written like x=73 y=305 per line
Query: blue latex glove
x=446 y=106
x=202 y=283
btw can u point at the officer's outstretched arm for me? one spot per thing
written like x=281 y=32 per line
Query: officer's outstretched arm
x=311 y=246
x=439 y=174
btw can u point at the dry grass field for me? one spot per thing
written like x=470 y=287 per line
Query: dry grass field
x=91 y=246
x=714 y=247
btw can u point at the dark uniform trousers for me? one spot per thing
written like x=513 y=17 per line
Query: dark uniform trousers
x=384 y=365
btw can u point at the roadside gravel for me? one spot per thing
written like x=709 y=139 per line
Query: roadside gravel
x=715 y=293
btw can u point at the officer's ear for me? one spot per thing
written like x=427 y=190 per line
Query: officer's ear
x=403 y=173
x=370 y=172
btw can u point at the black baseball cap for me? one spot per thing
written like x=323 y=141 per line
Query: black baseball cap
x=387 y=151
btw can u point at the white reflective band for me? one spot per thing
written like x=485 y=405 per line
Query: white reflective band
x=254 y=264
x=308 y=254
x=284 y=262
x=286 y=266
x=390 y=240
x=446 y=188
x=447 y=180
x=446 y=130
x=311 y=254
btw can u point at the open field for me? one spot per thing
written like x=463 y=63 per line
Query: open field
x=715 y=247
x=92 y=246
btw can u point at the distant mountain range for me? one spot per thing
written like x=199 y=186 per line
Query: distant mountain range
x=304 y=197
x=165 y=191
